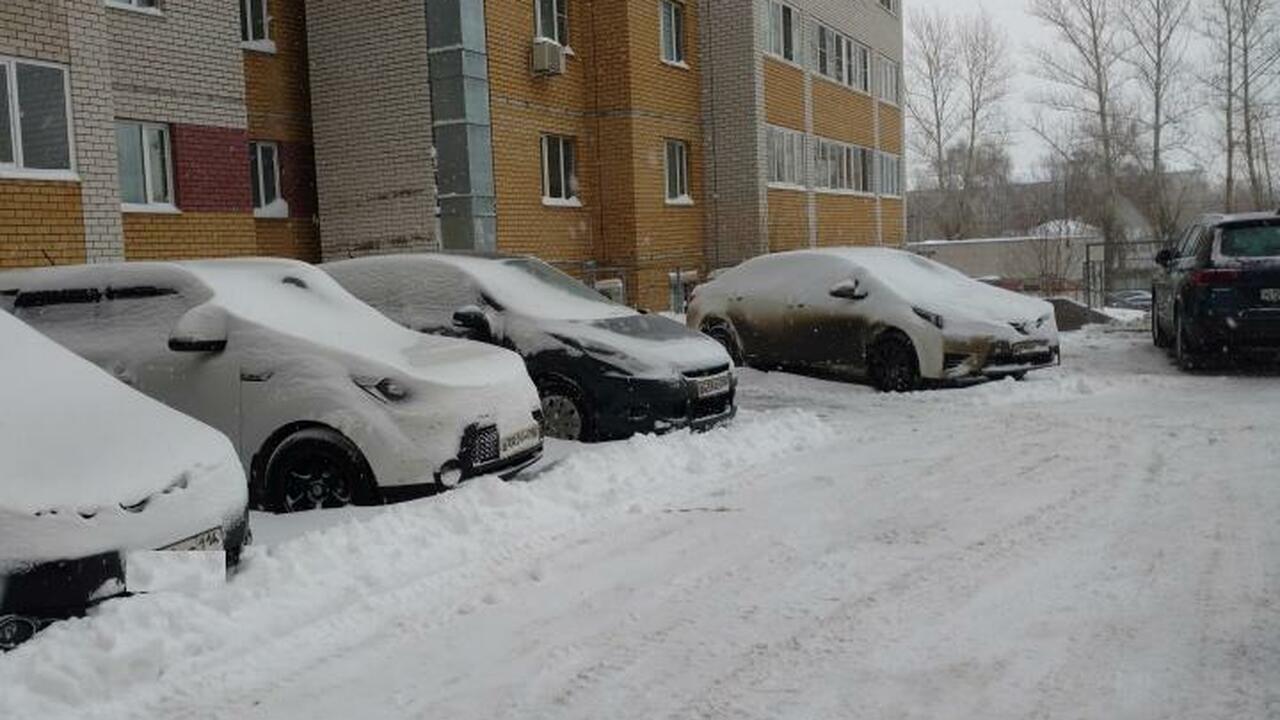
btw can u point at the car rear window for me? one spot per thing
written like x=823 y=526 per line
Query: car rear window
x=1252 y=241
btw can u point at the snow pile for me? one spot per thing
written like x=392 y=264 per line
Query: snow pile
x=354 y=576
x=88 y=465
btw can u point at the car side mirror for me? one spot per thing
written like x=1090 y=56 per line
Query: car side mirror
x=474 y=322
x=203 y=329
x=848 y=290
x=1164 y=258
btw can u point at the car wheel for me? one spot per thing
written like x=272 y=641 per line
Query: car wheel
x=17 y=629
x=894 y=364
x=1181 y=345
x=564 y=414
x=721 y=333
x=316 y=468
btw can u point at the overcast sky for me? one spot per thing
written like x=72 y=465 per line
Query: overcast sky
x=1024 y=31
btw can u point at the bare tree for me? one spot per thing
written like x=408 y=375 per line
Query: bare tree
x=1258 y=53
x=1221 y=27
x=933 y=86
x=1085 y=68
x=985 y=73
x=1158 y=38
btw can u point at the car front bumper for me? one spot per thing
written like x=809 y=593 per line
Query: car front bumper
x=999 y=359
x=630 y=406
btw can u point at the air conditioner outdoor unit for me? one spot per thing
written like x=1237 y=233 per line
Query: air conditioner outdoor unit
x=548 y=57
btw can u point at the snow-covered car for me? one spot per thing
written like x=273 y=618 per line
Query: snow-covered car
x=888 y=316
x=327 y=401
x=604 y=371
x=91 y=470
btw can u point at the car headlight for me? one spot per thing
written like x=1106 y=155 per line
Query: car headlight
x=384 y=389
x=933 y=318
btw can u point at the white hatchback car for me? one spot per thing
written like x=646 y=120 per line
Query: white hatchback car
x=327 y=401
x=91 y=471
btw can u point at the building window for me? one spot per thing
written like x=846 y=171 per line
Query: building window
x=837 y=57
x=786 y=156
x=783 y=27
x=890 y=172
x=254 y=20
x=672 y=32
x=136 y=4
x=678 y=172
x=890 y=87
x=35 y=125
x=890 y=5
x=860 y=71
x=838 y=166
x=146 y=164
x=264 y=167
x=552 y=20
x=559 y=179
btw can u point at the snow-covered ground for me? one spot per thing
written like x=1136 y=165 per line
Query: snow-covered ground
x=1101 y=541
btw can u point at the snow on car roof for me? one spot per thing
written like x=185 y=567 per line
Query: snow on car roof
x=524 y=285
x=77 y=443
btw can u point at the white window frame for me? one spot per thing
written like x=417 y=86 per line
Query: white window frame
x=146 y=7
x=842 y=168
x=891 y=6
x=677 y=44
x=279 y=207
x=886 y=70
x=169 y=205
x=561 y=10
x=775 y=40
x=785 y=157
x=9 y=94
x=264 y=44
x=888 y=166
x=568 y=178
x=683 y=196
x=848 y=61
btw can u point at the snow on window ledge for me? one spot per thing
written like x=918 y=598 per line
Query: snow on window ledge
x=17 y=173
x=682 y=201
x=572 y=202
x=276 y=210
x=793 y=187
x=676 y=64
x=259 y=46
x=153 y=11
x=150 y=208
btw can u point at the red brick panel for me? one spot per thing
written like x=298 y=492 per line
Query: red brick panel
x=211 y=169
x=298 y=178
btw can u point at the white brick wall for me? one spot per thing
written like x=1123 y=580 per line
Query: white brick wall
x=93 y=108
x=371 y=112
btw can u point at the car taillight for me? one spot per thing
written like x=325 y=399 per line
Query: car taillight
x=1210 y=278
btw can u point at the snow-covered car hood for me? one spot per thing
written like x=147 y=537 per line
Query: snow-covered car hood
x=643 y=345
x=88 y=465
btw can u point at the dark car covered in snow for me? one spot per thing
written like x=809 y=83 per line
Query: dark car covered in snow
x=888 y=316
x=603 y=370
x=1217 y=289
x=90 y=471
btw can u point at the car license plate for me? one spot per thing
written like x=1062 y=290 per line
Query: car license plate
x=1271 y=295
x=714 y=385
x=520 y=439
x=1028 y=346
x=207 y=540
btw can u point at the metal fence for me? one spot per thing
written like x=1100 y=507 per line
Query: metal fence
x=1110 y=268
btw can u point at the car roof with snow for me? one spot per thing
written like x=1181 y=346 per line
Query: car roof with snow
x=525 y=285
x=79 y=446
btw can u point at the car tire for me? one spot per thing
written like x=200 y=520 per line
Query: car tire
x=1158 y=336
x=723 y=334
x=895 y=367
x=17 y=629
x=564 y=411
x=1182 y=353
x=316 y=468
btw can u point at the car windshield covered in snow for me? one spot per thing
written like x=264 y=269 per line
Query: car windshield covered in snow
x=555 y=278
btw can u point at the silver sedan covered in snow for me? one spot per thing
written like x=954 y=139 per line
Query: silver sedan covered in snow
x=888 y=316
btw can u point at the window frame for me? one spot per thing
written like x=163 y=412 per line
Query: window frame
x=568 y=178
x=785 y=157
x=684 y=195
x=893 y=7
x=136 y=6
x=783 y=11
x=678 y=29
x=266 y=43
x=170 y=204
x=561 y=23
x=883 y=64
x=17 y=168
x=842 y=168
x=883 y=159
x=279 y=207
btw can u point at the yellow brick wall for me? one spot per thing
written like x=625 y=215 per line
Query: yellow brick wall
x=894 y=228
x=890 y=129
x=39 y=219
x=157 y=236
x=788 y=222
x=783 y=95
x=296 y=238
x=846 y=220
x=842 y=114
x=277 y=87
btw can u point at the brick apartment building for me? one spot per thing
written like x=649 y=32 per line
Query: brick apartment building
x=631 y=142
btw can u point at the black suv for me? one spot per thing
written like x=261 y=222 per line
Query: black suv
x=1216 y=293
